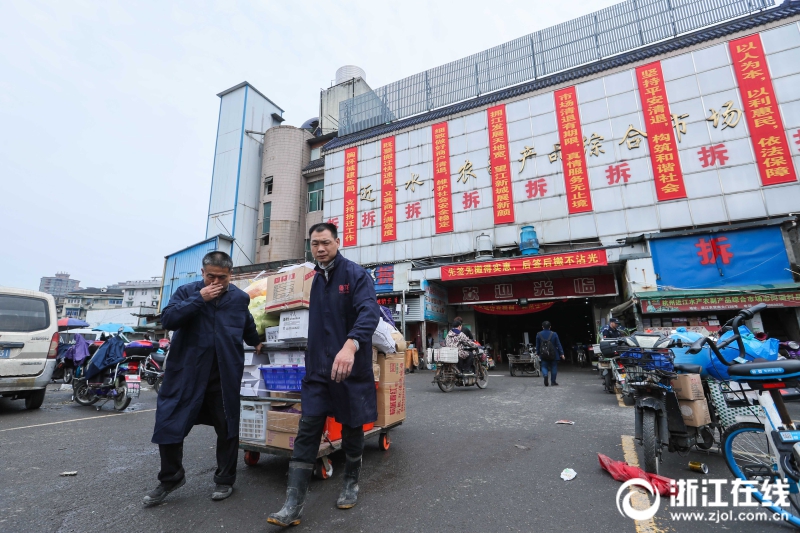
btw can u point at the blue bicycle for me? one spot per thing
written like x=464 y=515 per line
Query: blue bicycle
x=765 y=445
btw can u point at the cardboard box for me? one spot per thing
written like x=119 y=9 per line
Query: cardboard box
x=376 y=370
x=272 y=334
x=292 y=395
x=283 y=422
x=294 y=325
x=287 y=358
x=688 y=387
x=251 y=371
x=279 y=439
x=392 y=367
x=695 y=412
x=391 y=402
x=399 y=342
x=290 y=288
x=374 y=355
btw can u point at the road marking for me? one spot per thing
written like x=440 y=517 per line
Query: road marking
x=639 y=499
x=497 y=375
x=620 y=402
x=76 y=420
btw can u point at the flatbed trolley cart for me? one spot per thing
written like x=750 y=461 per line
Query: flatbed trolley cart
x=323 y=469
x=521 y=364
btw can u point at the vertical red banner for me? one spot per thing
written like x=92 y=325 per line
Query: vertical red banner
x=442 y=195
x=660 y=136
x=388 y=191
x=773 y=156
x=498 y=158
x=573 y=158
x=350 y=237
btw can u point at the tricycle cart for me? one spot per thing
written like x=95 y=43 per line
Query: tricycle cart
x=525 y=363
x=323 y=468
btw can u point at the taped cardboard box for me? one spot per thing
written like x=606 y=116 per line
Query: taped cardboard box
x=294 y=325
x=283 y=422
x=376 y=370
x=695 y=412
x=392 y=367
x=291 y=395
x=399 y=342
x=391 y=403
x=688 y=387
x=279 y=439
x=290 y=288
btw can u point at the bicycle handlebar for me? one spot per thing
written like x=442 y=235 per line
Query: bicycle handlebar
x=737 y=337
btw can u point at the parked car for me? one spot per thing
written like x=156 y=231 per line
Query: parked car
x=28 y=344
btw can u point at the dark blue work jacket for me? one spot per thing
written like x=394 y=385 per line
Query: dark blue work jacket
x=342 y=308
x=201 y=329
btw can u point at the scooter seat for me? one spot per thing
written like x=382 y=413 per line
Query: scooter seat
x=766 y=370
x=687 y=368
x=159 y=357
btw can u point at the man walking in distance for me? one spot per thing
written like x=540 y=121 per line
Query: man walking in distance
x=550 y=351
x=202 y=380
x=339 y=381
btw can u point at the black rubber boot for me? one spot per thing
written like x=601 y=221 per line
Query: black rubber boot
x=546 y=382
x=349 y=494
x=292 y=510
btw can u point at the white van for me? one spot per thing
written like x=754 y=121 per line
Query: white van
x=28 y=344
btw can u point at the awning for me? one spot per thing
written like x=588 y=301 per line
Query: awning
x=734 y=298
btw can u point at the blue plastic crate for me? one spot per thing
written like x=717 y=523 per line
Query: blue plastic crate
x=283 y=377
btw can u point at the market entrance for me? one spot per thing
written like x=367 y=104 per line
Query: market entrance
x=571 y=319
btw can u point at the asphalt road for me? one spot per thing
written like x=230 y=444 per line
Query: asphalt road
x=470 y=460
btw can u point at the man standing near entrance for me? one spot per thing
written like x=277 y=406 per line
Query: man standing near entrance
x=339 y=381
x=550 y=351
x=612 y=330
x=202 y=380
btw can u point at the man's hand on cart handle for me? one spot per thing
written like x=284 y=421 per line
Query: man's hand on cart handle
x=343 y=364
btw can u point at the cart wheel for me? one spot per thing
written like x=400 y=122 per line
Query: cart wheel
x=323 y=469
x=384 y=441
x=251 y=458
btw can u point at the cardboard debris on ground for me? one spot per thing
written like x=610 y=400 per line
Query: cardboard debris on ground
x=521 y=447
x=568 y=422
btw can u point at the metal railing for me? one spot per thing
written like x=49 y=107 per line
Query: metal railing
x=608 y=32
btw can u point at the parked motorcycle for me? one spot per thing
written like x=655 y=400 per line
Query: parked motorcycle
x=64 y=366
x=448 y=376
x=108 y=375
x=789 y=349
x=153 y=369
x=581 y=358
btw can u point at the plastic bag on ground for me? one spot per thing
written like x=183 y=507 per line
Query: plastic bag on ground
x=622 y=471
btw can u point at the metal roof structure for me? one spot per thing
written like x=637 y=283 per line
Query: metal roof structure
x=788 y=9
x=248 y=84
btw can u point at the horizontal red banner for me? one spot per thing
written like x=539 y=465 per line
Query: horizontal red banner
x=512 y=309
x=545 y=289
x=527 y=265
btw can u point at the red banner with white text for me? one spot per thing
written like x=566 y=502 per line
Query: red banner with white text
x=573 y=158
x=350 y=235
x=442 y=194
x=512 y=309
x=525 y=265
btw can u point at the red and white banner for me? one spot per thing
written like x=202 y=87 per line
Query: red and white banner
x=501 y=167
x=350 y=236
x=388 y=191
x=545 y=289
x=512 y=309
x=573 y=158
x=660 y=134
x=442 y=194
x=773 y=156
x=525 y=265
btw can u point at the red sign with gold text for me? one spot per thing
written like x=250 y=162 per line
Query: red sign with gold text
x=442 y=195
x=540 y=289
x=388 y=191
x=512 y=309
x=501 y=168
x=660 y=137
x=509 y=267
x=773 y=156
x=350 y=236
x=573 y=158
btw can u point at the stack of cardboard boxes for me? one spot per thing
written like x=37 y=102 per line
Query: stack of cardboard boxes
x=694 y=407
x=391 y=378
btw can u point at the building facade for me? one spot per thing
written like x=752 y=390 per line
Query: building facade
x=693 y=141
x=141 y=293
x=77 y=303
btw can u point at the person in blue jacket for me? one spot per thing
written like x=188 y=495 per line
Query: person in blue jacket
x=339 y=381
x=201 y=385
x=549 y=364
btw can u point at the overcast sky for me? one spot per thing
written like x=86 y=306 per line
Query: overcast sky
x=109 y=109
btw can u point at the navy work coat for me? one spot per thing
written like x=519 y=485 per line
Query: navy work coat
x=201 y=329
x=343 y=307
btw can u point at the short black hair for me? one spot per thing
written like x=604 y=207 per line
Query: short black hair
x=322 y=226
x=457 y=321
x=218 y=259
x=546 y=324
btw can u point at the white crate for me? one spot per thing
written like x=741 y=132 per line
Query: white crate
x=446 y=355
x=253 y=421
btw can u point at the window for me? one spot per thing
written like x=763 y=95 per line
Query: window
x=315 y=195
x=144 y=292
x=267 y=216
x=268 y=185
x=115 y=302
x=73 y=312
x=21 y=314
x=129 y=304
x=309 y=255
x=315 y=153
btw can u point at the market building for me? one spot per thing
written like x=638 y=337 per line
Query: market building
x=643 y=166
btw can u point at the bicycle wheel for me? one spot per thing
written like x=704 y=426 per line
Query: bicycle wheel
x=748 y=455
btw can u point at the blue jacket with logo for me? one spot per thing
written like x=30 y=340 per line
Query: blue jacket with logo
x=343 y=307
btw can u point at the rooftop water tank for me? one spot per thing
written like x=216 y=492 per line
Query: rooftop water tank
x=348 y=72
x=528 y=241
x=484 y=246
